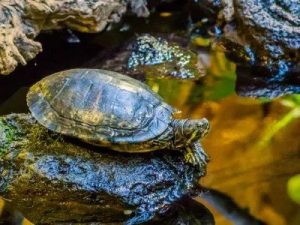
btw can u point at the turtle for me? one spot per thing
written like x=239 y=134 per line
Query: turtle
x=108 y=109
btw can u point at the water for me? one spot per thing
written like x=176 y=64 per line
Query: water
x=254 y=144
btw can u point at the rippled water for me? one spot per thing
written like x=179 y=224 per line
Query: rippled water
x=254 y=144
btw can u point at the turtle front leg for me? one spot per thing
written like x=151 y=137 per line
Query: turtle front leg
x=195 y=155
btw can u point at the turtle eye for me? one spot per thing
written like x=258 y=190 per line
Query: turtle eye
x=203 y=125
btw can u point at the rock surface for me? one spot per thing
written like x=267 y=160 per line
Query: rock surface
x=52 y=180
x=260 y=32
x=165 y=56
x=156 y=57
x=21 y=21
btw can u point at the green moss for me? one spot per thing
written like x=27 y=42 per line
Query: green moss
x=7 y=136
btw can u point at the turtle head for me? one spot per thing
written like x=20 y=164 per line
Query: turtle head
x=188 y=131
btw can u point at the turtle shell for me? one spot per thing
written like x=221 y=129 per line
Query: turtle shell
x=100 y=107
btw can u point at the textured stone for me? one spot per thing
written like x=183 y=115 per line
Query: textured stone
x=22 y=20
x=52 y=180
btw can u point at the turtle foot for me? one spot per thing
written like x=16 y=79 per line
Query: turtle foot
x=195 y=155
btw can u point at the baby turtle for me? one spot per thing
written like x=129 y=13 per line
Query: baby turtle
x=109 y=109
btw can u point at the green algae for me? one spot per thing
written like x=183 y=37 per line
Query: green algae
x=7 y=136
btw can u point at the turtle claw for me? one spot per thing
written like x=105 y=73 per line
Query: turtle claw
x=190 y=156
x=195 y=155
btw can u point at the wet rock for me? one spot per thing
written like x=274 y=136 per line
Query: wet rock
x=261 y=33
x=188 y=212
x=251 y=82
x=229 y=208
x=139 y=7
x=184 y=212
x=147 y=55
x=155 y=56
x=21 y=21
x=52 y=180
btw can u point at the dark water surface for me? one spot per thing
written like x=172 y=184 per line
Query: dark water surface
x=254 y=144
